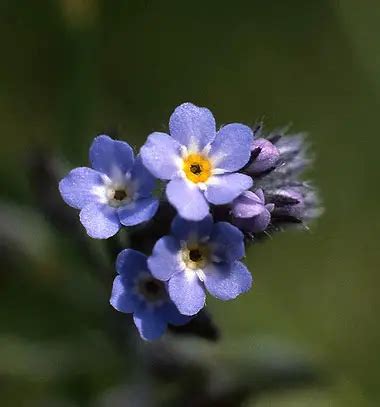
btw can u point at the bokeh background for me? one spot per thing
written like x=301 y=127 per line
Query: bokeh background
x=71 y=69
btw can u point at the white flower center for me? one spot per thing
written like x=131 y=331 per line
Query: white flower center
x=118 y=195
x=117 y=191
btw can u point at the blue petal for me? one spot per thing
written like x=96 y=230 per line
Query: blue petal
x=192 y=126
x=130 y=263
x=226 y=281
x=111 y=157
x=187 y=199
x=138 y=211
x=123 y=299
x=171 y=314
x=223 y=189
x=187 y=292
x=77 y=187
x=228 y=242
x=165 y=260
x=184 y=230
x=160 y=154
x=150 y=324
x=143 y=180
x=231 y=148
x=101 y=221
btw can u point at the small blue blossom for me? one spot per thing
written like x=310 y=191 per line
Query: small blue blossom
x=200 y=256
x=250 y=213
x=199 y=162
x=136 y=291
x=116 y=191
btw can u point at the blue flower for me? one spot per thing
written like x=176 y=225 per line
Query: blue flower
x=136 y=291
x=116 y=191
x=250 y=213
x=200 y=256
x=199 y=162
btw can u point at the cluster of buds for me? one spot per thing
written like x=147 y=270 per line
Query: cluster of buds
x=282 y=198
x=223 y=189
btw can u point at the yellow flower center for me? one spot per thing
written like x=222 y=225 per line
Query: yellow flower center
x=197 y=168
x=196 y=256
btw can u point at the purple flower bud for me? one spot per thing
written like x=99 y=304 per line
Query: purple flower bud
x=264 y=156
x=299 y=203
x=250 y=213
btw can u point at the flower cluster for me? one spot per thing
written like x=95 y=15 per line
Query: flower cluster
x=228 y=187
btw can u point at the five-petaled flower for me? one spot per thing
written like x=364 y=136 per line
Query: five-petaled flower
x=199 y=162
x=198 y=256
x=116 y=191
x=136 y=291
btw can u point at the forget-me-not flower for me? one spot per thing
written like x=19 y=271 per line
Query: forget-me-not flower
x=116 y=191
x=200 y=256
x=136 y=291
x=199 y=162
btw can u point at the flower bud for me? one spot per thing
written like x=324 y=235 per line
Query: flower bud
x=264 y=156
x=294 y=203
x=250 y=213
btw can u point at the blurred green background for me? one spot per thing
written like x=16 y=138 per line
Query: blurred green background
x=71 y=69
